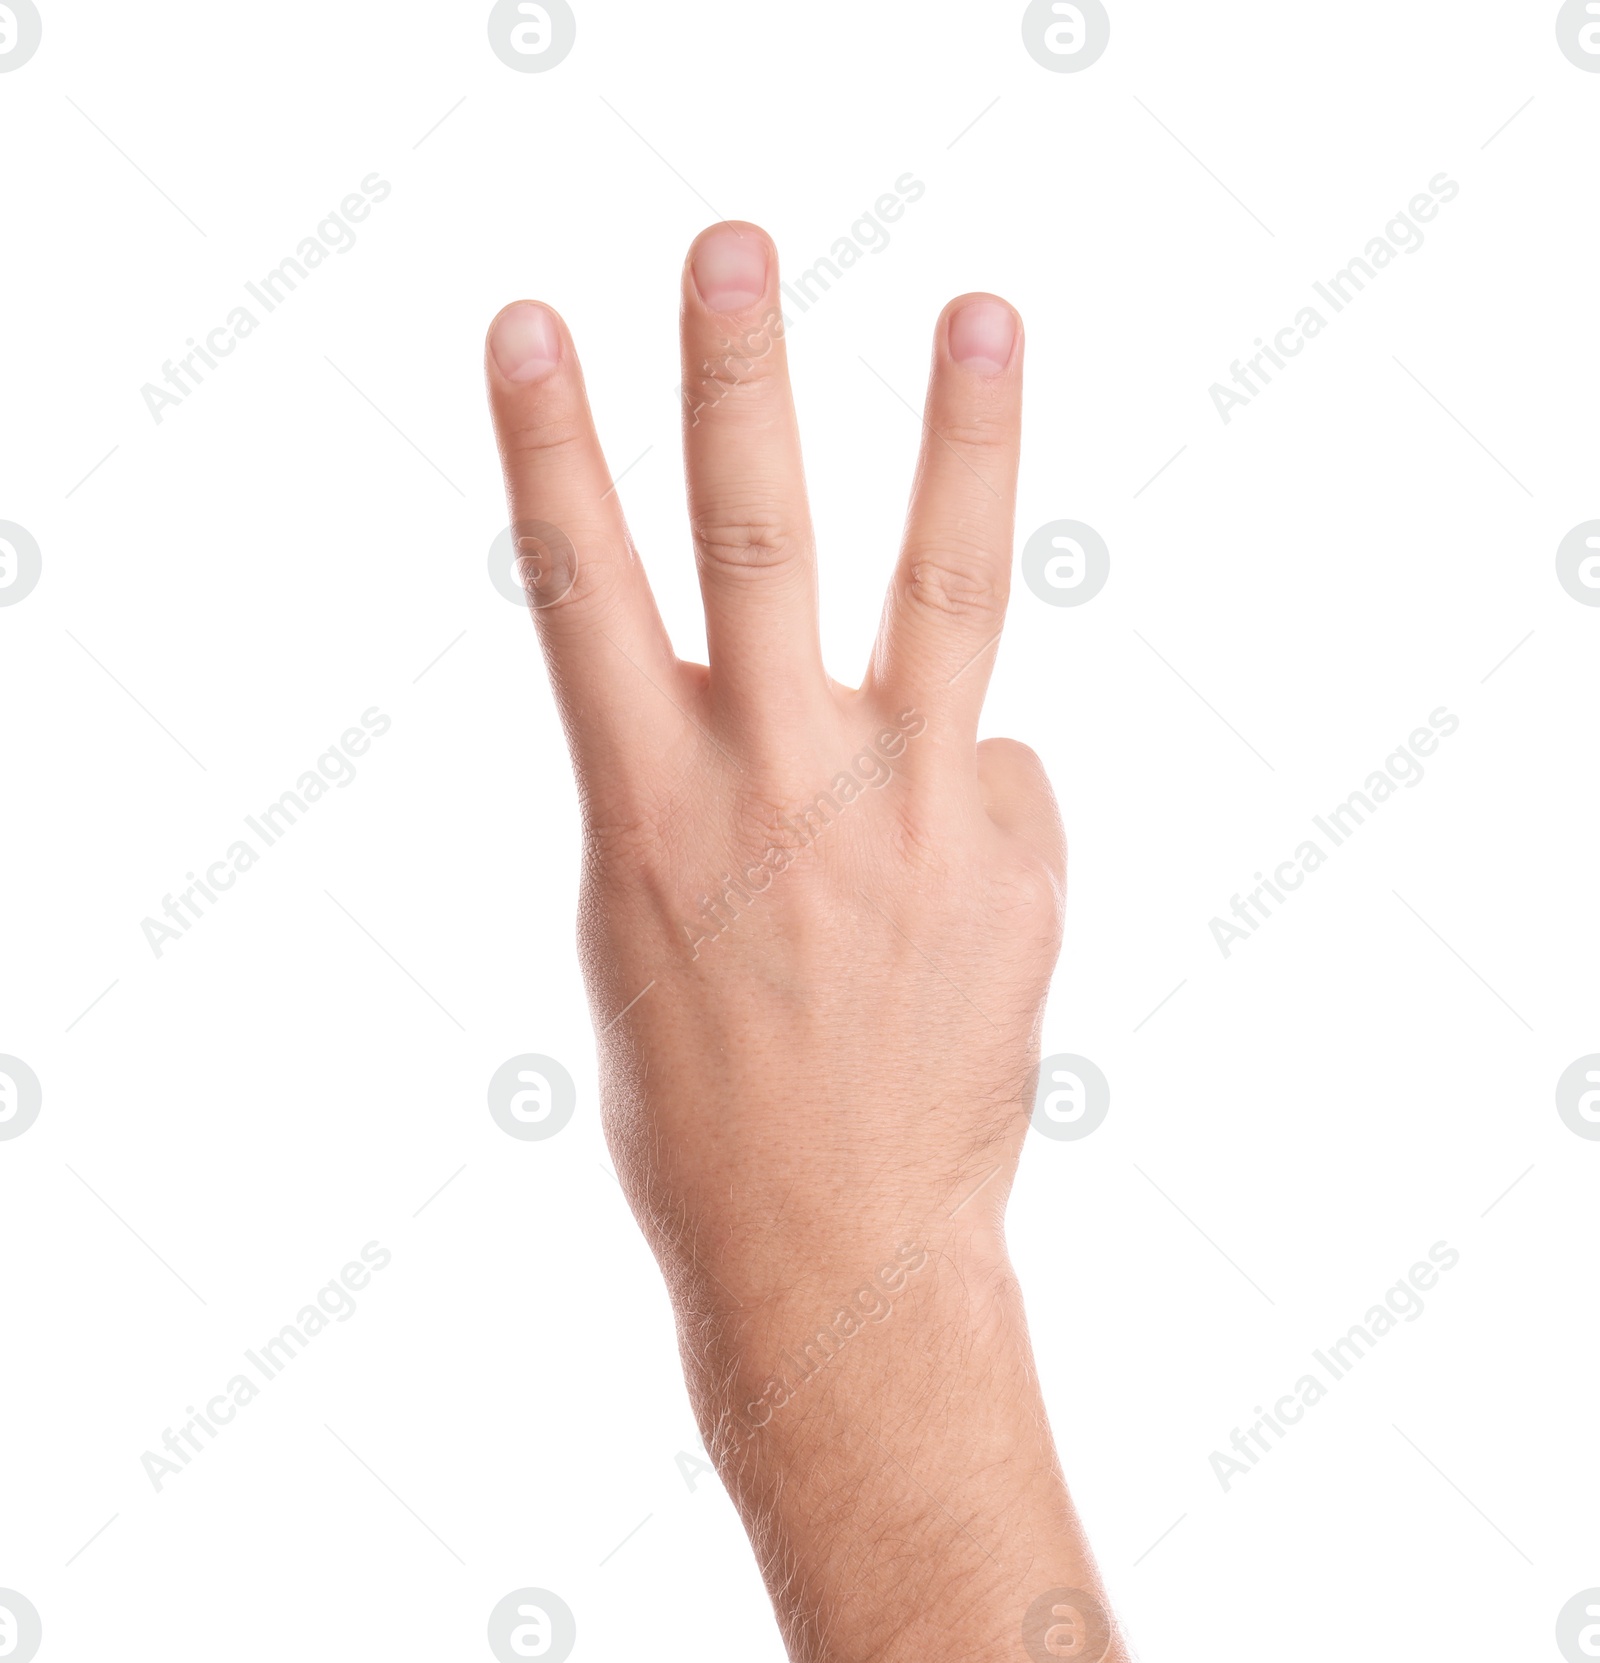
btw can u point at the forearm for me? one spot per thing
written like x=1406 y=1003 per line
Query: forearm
x=882 y=1434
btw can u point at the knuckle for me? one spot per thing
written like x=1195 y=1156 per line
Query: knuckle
x=736 y=368
x=633 y=828
x=713 y=400
x=735 y=373
x=918 y=847
x=583 y=592
x=556 y=569
x=955 y=583
x=628 y=842
x=743 y=540
x=542 y=436
x=981 y=434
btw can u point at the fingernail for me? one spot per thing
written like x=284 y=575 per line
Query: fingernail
x=525 y=343
x=982 y=334
x=730 y=269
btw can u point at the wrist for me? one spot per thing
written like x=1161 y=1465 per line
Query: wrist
x=852 y=1417
x=774 y=1365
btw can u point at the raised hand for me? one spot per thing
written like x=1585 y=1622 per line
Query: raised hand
x=817 y=929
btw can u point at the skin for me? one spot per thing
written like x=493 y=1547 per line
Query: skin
x=819 y=1020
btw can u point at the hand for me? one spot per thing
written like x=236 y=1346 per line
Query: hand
x=817 y=930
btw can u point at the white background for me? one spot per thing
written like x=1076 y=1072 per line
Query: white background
x=280 y=554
